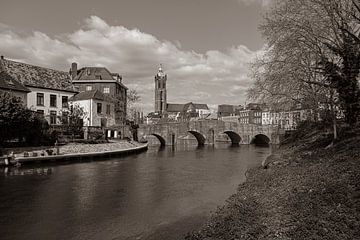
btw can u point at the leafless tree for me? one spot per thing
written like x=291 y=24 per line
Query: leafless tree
x=312 y=55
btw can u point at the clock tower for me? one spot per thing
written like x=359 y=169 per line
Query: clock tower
x=160 y=92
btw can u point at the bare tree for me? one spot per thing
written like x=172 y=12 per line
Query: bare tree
x=133 y=97
x=313 y=55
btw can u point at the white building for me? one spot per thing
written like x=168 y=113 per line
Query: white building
x=287 y=120
x=99 y=109
x=49 y=89
x=266 y=118
x=52 y=103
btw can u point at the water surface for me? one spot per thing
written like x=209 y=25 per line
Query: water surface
x=158 y=194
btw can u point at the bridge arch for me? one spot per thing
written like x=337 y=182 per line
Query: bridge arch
x=160 y=138
x=235 y=138
x=199 y=137
x=260 y=139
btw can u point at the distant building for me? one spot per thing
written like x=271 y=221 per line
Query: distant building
x=160 y=92
x=250 y=116
x=174 y=111
x=152 y=118
x=288 y=119
x=226 y=110
x=49 y=89
x=266 y=117
x=187 y=111
x=99 y=108
x=101 y=79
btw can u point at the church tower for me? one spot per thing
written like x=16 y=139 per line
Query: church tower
x=160 y=91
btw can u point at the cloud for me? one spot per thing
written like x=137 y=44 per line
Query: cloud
x=264 y=3
x=214 y=77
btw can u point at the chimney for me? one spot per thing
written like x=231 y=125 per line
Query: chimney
x=73 y=70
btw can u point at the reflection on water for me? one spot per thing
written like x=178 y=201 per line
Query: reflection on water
x=159 y=194
x=27 y=171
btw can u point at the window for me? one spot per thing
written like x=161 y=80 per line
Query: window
x=88 y=88
x=106 y=90
x=64 y=102
x=99 y=106
x=41 y=112
x=52 y=117
x=108 y=109
x=52 y=100
x=40 y=99
x=65 y=118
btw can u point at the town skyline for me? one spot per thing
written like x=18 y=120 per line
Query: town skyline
x=212 y=72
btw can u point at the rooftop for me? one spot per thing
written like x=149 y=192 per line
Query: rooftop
x=94 y=94
x=178 y=107
x=36 y=76
x=97 y=74
x=9 y=83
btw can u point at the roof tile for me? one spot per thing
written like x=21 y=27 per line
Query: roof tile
x=36 y=76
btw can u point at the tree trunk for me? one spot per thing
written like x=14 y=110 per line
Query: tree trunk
x=333 y=113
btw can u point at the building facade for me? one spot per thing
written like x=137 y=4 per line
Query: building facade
x=250 y=116
x=228 y=110
x=187 y=111
x=48 y=89
x=99 y=109
x=102 y=80
x=53 y=104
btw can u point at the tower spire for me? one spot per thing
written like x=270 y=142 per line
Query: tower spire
x=160 y=91
x=160 y=72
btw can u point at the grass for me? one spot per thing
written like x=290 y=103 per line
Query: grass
x=307 y=192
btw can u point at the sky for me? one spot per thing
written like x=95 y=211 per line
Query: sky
x=205 y=46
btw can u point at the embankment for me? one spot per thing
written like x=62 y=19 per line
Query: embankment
x=77 y=152
x=307 y=191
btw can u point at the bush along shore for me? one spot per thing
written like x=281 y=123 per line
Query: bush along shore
x=308 y=190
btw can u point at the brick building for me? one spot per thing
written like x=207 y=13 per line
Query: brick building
x=160 y=92
x=101 y=79
x=227 y=110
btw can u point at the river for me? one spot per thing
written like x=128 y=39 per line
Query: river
x=159 y=194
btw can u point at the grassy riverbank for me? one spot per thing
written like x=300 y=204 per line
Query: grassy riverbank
x=306 y=192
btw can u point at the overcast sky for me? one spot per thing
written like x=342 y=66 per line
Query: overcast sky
x=204 y=45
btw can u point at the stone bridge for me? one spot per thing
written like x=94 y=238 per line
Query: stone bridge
x=207 y=131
